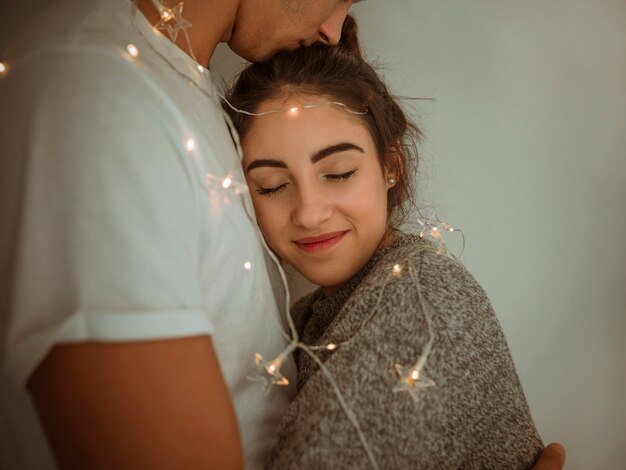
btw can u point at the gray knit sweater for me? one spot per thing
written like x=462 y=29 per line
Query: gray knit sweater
x=475 y=417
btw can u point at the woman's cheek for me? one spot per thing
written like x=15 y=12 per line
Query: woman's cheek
x=268 y=224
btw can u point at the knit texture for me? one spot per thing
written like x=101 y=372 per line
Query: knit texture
x=476 y=417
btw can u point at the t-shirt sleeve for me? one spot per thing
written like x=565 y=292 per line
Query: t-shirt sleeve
x=99 y=210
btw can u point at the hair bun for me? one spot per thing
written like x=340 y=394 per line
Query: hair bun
x=349 y=41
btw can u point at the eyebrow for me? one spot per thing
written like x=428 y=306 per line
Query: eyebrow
x=266 y=163
x=328 y=151
x=316 y=157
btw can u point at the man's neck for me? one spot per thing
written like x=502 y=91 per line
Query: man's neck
x=212 y=22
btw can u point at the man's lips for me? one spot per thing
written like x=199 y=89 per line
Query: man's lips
x=320 y=242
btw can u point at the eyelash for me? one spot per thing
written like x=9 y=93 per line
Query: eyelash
x=277 y=189
x=272 y=191
x=342 y=176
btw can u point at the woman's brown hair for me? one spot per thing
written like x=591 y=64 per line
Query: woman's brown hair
x=342 y=74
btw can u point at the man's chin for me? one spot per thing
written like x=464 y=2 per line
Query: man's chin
x=260 y=56
x=249 y=55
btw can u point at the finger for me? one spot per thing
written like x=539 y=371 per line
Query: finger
x=552 y=458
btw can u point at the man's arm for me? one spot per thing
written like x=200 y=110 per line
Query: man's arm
x=152 y=404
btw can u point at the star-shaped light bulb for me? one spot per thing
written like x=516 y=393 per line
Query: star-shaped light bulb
x=268 y=372
x=433 y=228
x=172 y=21
x=412 y=380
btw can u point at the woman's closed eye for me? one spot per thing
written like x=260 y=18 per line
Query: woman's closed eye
x=272 y=191
x=340 y=176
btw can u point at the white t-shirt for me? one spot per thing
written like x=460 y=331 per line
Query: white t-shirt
x=115 y=224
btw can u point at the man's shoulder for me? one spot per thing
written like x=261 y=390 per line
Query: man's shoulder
x=90 y=42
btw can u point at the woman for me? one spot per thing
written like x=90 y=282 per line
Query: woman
x=404 y=364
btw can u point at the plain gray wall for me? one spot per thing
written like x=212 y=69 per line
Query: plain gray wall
x=525 y=150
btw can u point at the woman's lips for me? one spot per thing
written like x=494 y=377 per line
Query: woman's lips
x=320 y=242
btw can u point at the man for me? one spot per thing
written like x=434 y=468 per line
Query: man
x=135 y=291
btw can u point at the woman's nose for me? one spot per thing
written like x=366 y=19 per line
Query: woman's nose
x=311 y=210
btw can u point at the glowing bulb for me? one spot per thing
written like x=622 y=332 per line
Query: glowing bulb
x=396 y=269
x=132 y=50
x=415 y=374
x=3 y=68
x=166 y=15
x=200 y=68
x=247 y=265
x=271 y=368
x=190 y=145
x=293 y=110
x=434 y=229
x=331 y=347
x=226 y=182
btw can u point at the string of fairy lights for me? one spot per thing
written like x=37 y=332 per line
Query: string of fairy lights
x=411 y=378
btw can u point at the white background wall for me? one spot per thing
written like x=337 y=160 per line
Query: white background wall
x=525 y=150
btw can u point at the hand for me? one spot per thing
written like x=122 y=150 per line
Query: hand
x=552 y=458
